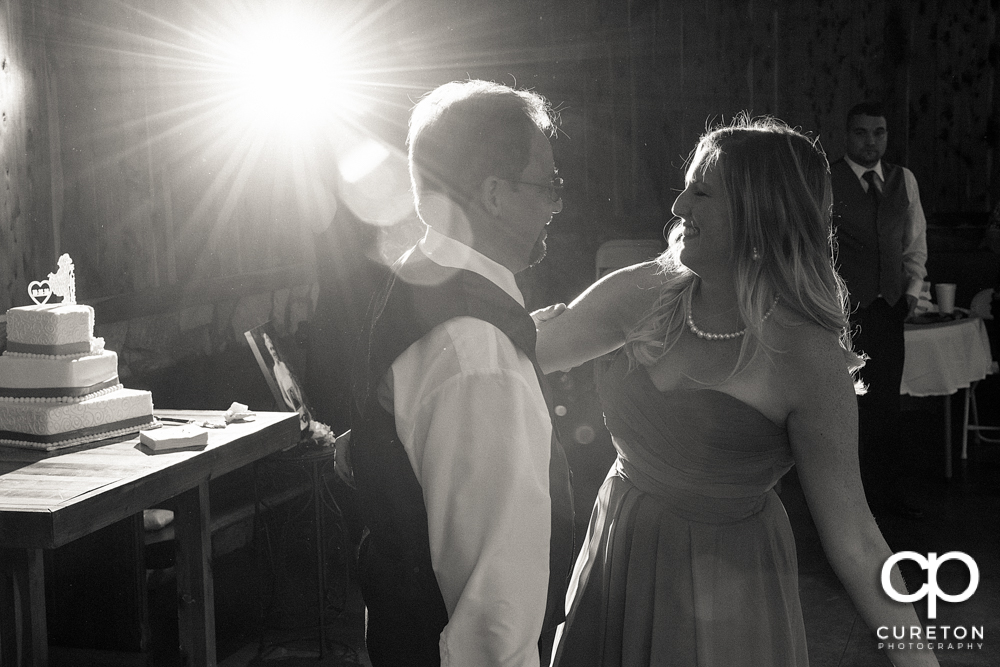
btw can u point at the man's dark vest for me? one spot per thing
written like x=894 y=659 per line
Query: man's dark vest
x=870 y=247
x=406 y=611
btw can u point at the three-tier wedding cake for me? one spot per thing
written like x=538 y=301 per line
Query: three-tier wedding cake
x=58 y=384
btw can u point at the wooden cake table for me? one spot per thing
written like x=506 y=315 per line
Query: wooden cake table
x=48 y=499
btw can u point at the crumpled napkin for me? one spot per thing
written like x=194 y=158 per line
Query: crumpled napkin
x=155 y=519
x=238 y=412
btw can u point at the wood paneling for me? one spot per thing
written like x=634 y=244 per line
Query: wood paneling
x=110 y=151
x=26 y=231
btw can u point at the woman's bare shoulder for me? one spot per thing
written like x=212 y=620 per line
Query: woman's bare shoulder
x=809 y=357
x=801 y=339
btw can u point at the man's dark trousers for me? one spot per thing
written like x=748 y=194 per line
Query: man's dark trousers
x=878 y=331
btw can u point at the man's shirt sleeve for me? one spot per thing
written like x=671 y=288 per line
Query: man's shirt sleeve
x=474 y=423
x=914 y=238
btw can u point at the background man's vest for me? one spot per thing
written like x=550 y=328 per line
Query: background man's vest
x=406 y=611
x=869 y=247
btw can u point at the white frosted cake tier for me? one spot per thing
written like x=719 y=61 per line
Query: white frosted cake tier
x=50 y=329
x=40 y=373
x=119 y=409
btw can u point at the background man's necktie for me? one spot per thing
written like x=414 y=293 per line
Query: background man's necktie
x=872 y=188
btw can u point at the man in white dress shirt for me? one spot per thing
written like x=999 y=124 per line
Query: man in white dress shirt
x=463 y=489
x=882 y=249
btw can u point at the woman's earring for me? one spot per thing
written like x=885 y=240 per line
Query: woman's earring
x=755 y=255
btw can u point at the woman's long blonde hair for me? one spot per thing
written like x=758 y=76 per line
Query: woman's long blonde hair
x=777 y=181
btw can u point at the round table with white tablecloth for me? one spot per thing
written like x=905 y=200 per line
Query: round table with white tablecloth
x=942 y=358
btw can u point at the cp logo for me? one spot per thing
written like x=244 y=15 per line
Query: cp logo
x=930 y=590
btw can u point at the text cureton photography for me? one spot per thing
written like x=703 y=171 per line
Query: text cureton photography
x=936 y=637
x=931 y=637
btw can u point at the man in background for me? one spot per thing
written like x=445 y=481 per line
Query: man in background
x=882 y=251
x=463 y=490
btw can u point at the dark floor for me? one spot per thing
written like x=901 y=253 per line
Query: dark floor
x=962 y=514
x=267 y=605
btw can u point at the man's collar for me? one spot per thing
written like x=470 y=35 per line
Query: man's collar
x=859 y=170
x=446 y=251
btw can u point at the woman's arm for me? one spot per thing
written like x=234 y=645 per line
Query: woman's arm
x=596 y=321
x=823 y=428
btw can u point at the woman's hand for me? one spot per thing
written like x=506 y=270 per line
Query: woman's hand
x=548 y=313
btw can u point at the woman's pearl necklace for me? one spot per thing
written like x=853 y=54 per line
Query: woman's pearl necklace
x=704 y=335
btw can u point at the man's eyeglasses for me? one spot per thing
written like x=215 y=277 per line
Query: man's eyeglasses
x=555 y=187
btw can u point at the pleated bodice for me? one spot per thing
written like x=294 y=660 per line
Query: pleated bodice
x=711 y=454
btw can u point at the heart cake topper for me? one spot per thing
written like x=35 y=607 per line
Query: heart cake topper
x=61 y=283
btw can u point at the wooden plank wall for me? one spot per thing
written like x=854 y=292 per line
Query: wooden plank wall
x=26 y=230
x=104 y=156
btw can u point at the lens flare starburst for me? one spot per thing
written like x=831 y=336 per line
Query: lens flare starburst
x=258 y=120
x=289 y=73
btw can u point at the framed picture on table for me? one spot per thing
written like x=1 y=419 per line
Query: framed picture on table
x=275 y=365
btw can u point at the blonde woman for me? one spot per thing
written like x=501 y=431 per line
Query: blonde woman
x=735 y=365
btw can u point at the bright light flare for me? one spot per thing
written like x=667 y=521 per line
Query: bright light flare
x=375 y=182
x=287 y=72
x=362 y=160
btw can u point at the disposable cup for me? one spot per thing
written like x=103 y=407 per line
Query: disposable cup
x=945 y=298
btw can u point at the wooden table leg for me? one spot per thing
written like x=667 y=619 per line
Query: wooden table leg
x=947 y=436
x=23 y=634
x=195 y=590
x=317 y=500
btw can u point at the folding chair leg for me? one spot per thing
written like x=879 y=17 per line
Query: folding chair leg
x=976 y=436
x=969 y=398
x=971 y=419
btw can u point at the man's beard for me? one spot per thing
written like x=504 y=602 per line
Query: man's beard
x=538 y=251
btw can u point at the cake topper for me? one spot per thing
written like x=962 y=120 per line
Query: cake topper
x=61 y=283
